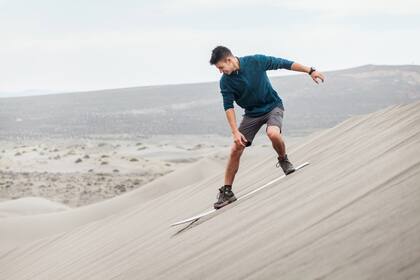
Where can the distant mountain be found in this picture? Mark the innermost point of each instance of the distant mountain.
(197, 108)
(29, 92)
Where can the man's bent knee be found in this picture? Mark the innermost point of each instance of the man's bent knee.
(236, 150)
(273, 132)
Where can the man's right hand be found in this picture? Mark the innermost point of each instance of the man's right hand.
(239, 138)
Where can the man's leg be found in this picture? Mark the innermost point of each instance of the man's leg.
(233, 163)
(226, 195)
(273, 132)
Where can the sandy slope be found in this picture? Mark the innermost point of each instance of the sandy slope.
(29, 206)
(19, 230)
(352, 214)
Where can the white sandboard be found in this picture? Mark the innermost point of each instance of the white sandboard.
(196, 217)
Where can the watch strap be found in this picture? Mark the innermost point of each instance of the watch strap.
(311, 71)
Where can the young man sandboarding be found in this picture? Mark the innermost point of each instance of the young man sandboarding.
(245, 81)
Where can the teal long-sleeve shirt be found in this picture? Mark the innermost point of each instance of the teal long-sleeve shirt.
(250, 87)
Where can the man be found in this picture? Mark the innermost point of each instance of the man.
(245, 81)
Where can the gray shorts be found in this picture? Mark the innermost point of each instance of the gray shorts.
(250, 126)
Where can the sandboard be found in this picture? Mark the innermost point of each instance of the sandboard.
(197, 217)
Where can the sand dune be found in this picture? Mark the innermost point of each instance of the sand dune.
(29, 206)
(19, 230)
(351, 214)
(16, 230)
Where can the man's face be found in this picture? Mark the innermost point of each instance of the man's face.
(226, 65)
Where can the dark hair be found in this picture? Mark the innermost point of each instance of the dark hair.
(219, 53)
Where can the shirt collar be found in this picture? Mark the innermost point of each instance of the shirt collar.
(239, 61)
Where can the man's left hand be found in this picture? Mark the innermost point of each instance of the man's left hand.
(317, 75)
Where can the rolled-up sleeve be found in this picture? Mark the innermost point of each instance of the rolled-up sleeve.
(273, 63)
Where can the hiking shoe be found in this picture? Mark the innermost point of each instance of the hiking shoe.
(224, 197)
(286, 165)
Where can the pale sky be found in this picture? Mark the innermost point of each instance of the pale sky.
(61, 46)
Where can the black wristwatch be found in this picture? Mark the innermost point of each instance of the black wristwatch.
(311, 71)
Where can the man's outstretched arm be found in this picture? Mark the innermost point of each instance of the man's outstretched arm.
(302, 68)
(274, 63)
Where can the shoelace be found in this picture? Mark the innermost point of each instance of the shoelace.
(278, 163)
(221, 193)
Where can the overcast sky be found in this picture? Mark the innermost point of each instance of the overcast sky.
(62, 46)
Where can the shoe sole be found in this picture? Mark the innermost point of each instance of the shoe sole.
(290, 172)
(224, 203)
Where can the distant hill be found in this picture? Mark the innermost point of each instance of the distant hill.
(197, 108)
